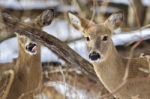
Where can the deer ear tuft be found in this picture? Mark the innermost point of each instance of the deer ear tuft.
(114, 21)
(75, 21)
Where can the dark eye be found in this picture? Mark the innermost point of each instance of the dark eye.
(105, 38)
(87, 38)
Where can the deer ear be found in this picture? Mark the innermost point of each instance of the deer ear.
(75, 21)
(114, 21)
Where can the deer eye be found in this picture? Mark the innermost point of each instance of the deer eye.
(105, 38)
(87, 38)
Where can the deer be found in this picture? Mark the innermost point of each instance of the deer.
(26, 76)
(28, 68)
(109, 65)
(28, 82)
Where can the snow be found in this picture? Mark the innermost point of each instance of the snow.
(146, 2)
(80, 47)
(120, 1)
(28, 4)
(39, 4)
(70, 91)
(104, 9)
(125, 38)
(127, 2)
(62, 30)
(8, 50)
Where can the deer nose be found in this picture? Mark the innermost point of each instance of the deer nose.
(94, 56)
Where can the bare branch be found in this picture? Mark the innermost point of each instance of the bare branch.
(57, 46)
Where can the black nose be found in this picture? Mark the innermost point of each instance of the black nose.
(30, 46)
(94, 56)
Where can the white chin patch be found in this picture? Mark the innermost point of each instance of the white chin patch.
(96, 61)
(31, 53)
(31, 48)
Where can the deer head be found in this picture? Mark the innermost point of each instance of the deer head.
(98, 36)
(27, 45)
(40, 21)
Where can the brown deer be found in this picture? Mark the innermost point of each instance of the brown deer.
(109, 66)
(28, 82)
(22, 79)
(28, 68)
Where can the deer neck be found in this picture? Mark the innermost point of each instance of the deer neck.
(28, 74)
(29, 60)
(111, 70)
(29, 64)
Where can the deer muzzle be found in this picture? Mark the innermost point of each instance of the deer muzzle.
(94, 56)
(31, 48)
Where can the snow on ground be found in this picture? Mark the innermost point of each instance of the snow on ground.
(61, 30)
(69, 91)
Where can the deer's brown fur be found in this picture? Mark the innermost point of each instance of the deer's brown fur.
(109, 66)
(28, 68)
(28, 71)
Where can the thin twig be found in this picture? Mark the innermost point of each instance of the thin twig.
(12, 75)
